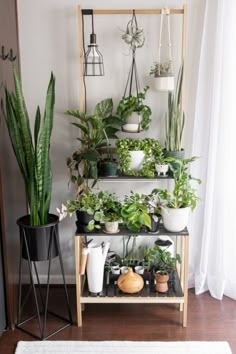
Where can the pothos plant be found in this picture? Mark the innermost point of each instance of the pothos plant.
(151, 148)
(134, 103)
(95, 132)
(135, 212)
(183, 194)
(161, 259)
(110, 207)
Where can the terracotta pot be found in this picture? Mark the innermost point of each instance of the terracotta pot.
(161, 282)
(130, 282)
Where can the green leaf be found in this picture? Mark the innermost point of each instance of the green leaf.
(104, 108)
(90, 155)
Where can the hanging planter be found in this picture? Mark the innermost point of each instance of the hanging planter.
(163, 71)
(131, 108)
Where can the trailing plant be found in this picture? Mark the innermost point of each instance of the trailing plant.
(161, 259)
(110, 206)
(134, 103)
(95, 132)
(32, 150)
(183, 194)
(162, 69)
(175, 117)
(152, 149)
(135, 212)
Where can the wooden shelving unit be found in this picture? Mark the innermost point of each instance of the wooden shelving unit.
(178, 293)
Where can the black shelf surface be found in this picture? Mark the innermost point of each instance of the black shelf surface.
(125, 232)
(110, 288)
(134, 178)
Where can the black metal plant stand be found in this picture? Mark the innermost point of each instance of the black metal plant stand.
(41, 314)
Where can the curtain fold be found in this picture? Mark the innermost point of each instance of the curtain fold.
(213, 224)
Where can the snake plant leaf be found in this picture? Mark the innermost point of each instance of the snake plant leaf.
(37, 125)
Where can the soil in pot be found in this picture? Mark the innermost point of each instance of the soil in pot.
(108, 168)
(38, 238)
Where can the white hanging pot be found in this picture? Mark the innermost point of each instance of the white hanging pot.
(137, 159)
(162, 169)
(133, 124)
(175, 220)
(111, 227)
(95, 266)
(164, 83)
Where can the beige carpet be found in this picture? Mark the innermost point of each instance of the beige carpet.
(76, 347)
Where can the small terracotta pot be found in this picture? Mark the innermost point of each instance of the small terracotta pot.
(130, 282)
(161, 282)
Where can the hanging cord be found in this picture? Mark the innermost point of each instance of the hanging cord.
(84, 82)
(165, 11)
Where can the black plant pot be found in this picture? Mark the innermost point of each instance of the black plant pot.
(83, 218)
(178, 155)
(108, 168)
(82, 228)
(37, 238)
(154, 223)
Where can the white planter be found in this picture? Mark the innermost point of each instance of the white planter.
(133, 123)
(164, 83)
(112, 226)
(161, 169)
(175, 220)
(137, 159)
(95, 266)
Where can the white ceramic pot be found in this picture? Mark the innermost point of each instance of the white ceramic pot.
(139, 269)
(175, 220)
(112, 226)
(124, 270)
(161, 169)
(95, 266)
(164, 83)
(137, 159)
(133, 123)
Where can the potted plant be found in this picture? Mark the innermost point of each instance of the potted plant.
(137, 156)
(32, 152)
(95, 129)
(162, 164)
(163, 74)
(88, 211)
(134, 113)
(174, 122)
(107, 166)
(111, 209)
(135, 212)
(176, 204)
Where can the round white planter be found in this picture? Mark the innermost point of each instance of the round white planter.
(161, 169)
(137, 159)
(175, 220)
(164, 83)
(133, 123)
(112, 226)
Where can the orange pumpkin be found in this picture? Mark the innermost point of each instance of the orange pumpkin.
(130, 282)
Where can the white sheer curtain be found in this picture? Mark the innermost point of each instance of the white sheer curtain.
(213, 224)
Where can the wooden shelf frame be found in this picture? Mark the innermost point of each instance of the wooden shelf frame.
(182, 241)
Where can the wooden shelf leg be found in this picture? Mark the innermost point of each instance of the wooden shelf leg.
(185, 288)
(78, 279)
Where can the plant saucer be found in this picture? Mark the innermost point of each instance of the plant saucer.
(110, 232)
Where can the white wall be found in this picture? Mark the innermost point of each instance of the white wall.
(48, 34)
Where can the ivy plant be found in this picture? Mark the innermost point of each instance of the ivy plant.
(152, 149)
(134, 103)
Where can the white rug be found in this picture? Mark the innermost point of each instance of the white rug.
(76, 347)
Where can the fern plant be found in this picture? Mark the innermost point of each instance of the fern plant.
(175, 117)
(32, 152)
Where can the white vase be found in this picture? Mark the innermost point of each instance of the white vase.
(164, 83)
(137, 159)
(112, 226)
(161, 169)
(175, 220)
(95, 266)
(133, 123)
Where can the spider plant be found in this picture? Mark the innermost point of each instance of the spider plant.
(32, 153)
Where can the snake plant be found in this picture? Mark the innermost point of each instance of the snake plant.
(175, 117)
(32, 152)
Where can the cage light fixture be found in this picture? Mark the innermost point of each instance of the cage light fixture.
(93, 59)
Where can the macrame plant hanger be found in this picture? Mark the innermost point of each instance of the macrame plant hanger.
(133, 79)
(165, 11)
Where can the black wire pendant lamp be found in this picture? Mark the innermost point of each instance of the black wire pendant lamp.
(93, 59)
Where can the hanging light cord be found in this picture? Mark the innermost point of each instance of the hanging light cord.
(84, 82)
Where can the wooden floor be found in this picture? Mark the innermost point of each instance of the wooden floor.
(208, 320)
